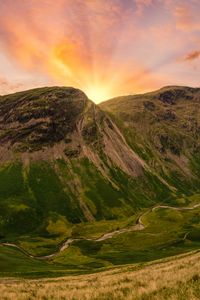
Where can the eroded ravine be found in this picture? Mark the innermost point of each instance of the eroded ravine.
(138, 226)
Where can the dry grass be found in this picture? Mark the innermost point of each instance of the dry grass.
(173, 279)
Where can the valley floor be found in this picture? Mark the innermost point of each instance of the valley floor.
(108, 235)
(174, 278)
(160, 232)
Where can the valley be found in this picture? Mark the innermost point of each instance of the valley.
(185, 239)
(138, 226)
(85, 188)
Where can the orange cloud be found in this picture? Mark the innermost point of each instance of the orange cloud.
(192, 56)
(78, 49)
(103, 47)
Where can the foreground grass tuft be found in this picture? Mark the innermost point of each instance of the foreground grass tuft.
(177, 279)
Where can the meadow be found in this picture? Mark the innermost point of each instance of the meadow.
(167, 232)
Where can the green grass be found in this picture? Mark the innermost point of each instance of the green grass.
(15, 263)
(96, 229)
(162, 237)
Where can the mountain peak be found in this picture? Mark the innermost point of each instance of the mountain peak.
(40, 116)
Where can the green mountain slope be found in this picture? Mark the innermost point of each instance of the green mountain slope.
(163, 128)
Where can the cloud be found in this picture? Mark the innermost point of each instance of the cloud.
(141, 5)
(187, 16)
(104, 44)
(192, 56)
(73, 42)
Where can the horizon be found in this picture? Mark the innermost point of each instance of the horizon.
(105, 49)
(99, 102)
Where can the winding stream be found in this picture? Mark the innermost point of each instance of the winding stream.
(136, 227)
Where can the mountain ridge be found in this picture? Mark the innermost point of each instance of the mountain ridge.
(167, 87)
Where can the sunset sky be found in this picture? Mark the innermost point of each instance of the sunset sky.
(104, 47)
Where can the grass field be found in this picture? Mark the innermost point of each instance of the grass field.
(177, 278)
(167, 232)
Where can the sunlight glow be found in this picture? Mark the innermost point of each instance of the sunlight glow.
(105, 48)
(98, 93)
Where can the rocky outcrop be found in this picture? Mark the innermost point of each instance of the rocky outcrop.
(171, 95)
(40, 117)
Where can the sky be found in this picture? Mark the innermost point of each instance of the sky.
(106, 48)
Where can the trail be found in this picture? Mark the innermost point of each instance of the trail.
(136, 227)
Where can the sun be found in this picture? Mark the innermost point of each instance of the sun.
(98, 93)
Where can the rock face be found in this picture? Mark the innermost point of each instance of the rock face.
(40, 117)
(173, 94)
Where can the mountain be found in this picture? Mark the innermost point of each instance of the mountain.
(163, 128)
(65, 160)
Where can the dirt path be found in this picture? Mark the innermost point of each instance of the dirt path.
(138, 226)
(176, 208)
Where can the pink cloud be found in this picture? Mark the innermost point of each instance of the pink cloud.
(187, 16)
(116, 44)
(141, 5)
(192, 56)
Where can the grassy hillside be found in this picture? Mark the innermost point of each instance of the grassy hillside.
(177, 278)
(163, 127)
(68, 171)
(59, 195)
